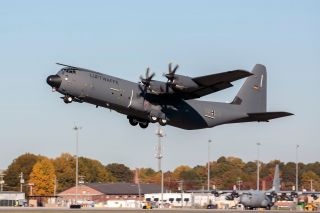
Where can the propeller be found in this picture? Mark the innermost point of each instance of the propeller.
(170, 75)
(147, 80)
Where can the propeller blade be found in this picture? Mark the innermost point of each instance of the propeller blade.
(175, 69)
(152, 75)
(147, 72)
(146, 81)
(170, 75)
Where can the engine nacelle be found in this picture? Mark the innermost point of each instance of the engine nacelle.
(183, 83)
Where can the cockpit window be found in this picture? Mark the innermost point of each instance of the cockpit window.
(68, 70)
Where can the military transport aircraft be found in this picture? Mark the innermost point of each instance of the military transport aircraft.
(169, 102)
(252, 199)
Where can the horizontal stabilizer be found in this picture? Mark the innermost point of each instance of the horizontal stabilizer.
(266, 116)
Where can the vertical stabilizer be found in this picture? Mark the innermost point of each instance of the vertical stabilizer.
(252, 97)
(276, 180)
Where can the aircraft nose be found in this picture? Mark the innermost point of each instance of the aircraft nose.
(54, 81)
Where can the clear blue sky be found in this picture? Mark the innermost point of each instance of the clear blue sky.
(122, 38)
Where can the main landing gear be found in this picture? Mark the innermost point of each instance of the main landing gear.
(135, 122)
(161, 121)
(145, 123)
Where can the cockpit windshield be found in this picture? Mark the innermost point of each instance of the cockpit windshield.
(68, 70)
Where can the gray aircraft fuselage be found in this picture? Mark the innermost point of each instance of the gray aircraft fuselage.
(256, 199)
(125, 97)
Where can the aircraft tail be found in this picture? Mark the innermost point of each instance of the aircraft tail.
(252, 96)
(276, 180)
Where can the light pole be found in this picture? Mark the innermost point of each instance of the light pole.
(297, 172)
(21, 181)
(159, 156)
(239, 182)
(1, 181)
(258, 165)
(76, 128)
(311, 185)
(208, 187)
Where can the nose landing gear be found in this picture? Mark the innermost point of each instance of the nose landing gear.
(67, 99)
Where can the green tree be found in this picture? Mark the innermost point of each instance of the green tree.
(288, 172)
(43, 177)
(191, 179)
(120, 172)
(24, 163)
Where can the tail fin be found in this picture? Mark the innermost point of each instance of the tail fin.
(253, 94)
(276, 180)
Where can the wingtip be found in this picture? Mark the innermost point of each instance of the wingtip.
(245, 73)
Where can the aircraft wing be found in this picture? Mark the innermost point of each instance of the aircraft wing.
(216, 82)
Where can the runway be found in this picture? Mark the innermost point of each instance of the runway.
(118, 210)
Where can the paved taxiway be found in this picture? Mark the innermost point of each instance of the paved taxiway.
(99, 210)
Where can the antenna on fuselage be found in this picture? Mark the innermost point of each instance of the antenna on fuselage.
(67, 65)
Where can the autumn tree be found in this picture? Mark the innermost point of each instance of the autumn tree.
(24, 163)
(309, 178)
(288, 176)
(93, 171)
(179, 170)
(65, 171)
(43, 177)
(147, 175)
(120, 172)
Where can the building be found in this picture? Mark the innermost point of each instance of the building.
(109, 194)
(187, 199)
(10, 198)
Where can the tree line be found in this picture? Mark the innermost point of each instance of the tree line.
(49, 176)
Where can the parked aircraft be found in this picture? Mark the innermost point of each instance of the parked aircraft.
(169, 102)
(251, 199)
